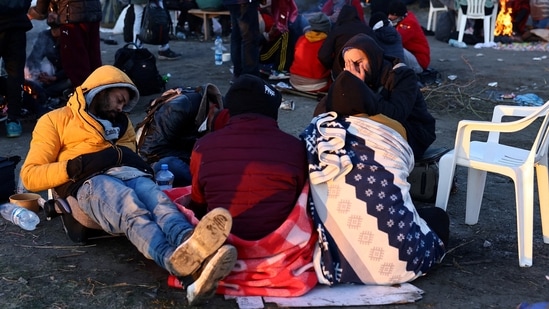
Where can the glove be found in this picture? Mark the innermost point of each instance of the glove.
(91, 163)
(131, 158)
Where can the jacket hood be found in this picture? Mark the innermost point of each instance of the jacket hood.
(108, 76)
(373, 52)
(347, 14)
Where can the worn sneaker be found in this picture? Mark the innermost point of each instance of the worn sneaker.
(168, 54)
(13, 128)
(215, 269)
(208, 235)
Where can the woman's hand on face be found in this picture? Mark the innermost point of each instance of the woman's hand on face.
(356, 68)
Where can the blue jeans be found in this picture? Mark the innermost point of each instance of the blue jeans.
(245, 38)
(138, 209)
(180, 169)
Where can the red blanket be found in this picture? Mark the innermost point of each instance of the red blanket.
(279, 264)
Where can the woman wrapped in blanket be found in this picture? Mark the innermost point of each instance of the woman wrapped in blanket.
(359, 160)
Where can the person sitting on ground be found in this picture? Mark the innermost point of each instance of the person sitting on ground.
(46, 47)
(386, 36)
(417, 54)
(176, 125)
(306, 72)
(359, 160)
(348, 25)
(393, 90)
(87, 150)
(257, 172)
(332, 8)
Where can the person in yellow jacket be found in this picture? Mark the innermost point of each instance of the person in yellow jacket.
(87, 149)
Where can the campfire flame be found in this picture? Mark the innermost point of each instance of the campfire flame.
(504, 22)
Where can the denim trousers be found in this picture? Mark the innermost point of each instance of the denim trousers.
(138, 209)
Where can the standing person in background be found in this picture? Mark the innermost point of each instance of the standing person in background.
(78, 23)
(14, 25)
(348, 25)
(245, 36)
(417, 54)
(539, 11)
(164, 51)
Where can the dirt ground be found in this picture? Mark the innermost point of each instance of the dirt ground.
(44, 269)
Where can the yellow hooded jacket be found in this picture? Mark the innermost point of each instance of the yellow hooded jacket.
(70, 131)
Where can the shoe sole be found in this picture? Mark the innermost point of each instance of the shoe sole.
(217, 268)
(208, 235)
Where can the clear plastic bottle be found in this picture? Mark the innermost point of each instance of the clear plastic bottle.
(26, 219)
(164, 178)
(218, 51)
(456, 43)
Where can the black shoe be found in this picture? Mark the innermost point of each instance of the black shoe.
(168, 55)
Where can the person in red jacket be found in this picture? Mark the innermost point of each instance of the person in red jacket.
(259, 173)
(417, 53)
(307, 73)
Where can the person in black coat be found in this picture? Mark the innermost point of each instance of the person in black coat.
(394, 91)
(348, 24)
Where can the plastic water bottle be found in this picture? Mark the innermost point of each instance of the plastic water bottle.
(26, 219)
(456, 43)
(164, 178)
(218, 51)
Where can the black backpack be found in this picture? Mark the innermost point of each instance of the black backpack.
(156, 25)
(140, 65)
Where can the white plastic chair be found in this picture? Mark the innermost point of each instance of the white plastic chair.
(433, 11)
(517, 163)
(475, 10)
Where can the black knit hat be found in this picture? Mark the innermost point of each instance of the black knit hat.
(250, 94)
(397, 8)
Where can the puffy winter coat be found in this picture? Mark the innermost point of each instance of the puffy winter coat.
(414, 40)
(253, 169)
(70, 131)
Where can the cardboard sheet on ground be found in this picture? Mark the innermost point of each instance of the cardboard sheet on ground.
(340, 295)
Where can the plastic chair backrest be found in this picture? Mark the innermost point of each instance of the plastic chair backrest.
(530, 114)
(475, 8)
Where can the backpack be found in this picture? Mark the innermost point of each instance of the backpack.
(156, 25)
(140, 66)
(446, 24)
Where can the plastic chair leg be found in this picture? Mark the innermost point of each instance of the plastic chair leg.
(476, 180)
(487, 24)
(445, 179)
(429, 20)
(524, 192)
(462, 22)
(542, 175)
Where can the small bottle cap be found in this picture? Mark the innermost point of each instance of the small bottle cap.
(164, 166)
